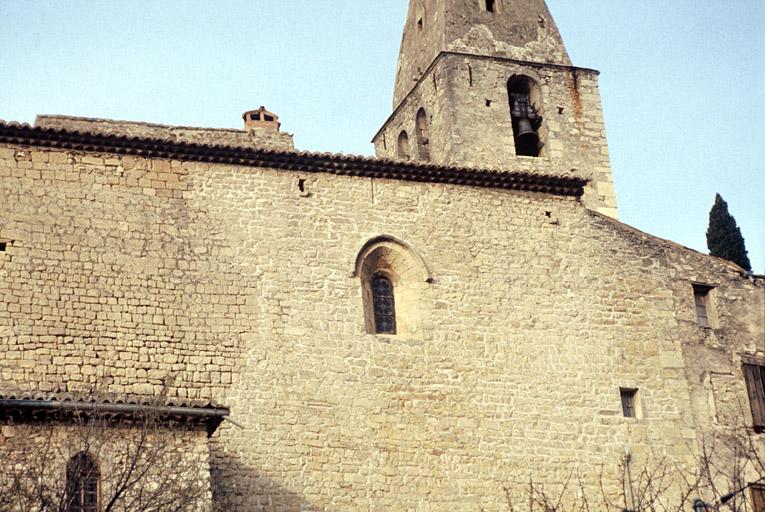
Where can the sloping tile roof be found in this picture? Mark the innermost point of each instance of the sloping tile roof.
(107, 398)
(35, 406)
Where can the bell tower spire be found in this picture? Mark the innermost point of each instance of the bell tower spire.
(489, 83)
(517, 29)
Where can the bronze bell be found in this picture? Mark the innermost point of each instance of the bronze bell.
(526, 135)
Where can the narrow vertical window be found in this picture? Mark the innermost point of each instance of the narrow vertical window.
(384, 306)
(82, 484)
(701, 300)
(491, 5)
(629, 402)
(758, 497)
(423, 138)
(403, 146)
(754, 375)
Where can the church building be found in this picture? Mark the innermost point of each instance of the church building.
(459, 323)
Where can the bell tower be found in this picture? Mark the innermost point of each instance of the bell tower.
(489, 84)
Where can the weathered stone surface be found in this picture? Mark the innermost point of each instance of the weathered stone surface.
(252, 137)
(461, 84)
(521, 315)
(517, 29)
(537, 312)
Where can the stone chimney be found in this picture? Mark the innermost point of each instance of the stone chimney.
(262, 119)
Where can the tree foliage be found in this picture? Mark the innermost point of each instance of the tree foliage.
(724, 238)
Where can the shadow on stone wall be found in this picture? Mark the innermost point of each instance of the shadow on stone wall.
(238, 486)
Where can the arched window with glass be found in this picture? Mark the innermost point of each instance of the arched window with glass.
(384, 304)
(82, 484)
(394, 280)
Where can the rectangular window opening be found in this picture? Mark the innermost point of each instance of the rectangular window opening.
(754, 376)
(268, 118)
(758, 497)
(3, 246)
(701, 301)
(490, 5)
(629, 402)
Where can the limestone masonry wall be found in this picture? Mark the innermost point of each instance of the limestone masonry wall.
(469, 113)
(525, 32)
(233, 284)
(258, 138)
(175, 462)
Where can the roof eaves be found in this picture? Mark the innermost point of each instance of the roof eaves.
(344, 165)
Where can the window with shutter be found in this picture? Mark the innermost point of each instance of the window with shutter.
(754, 375)
(701, 300)
(758, 497)
(629, 402)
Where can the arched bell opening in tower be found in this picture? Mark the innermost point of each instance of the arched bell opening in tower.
(423, 139)
(525, 103)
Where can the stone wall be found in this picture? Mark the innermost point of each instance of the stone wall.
(243, 288)
(524, 32)
(255, 138)
(470, 125)
(170, 466)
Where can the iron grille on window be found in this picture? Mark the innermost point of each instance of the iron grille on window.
(385, 310)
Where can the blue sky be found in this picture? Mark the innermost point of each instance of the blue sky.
(681, 81)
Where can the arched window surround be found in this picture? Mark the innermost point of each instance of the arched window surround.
(83, 484)
(422, 131)
(409, 276)
(491, 5)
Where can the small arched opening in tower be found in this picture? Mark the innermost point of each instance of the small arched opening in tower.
(423, 137)
(420, 16)
(403, 146)
(492, 5)
(526, 114)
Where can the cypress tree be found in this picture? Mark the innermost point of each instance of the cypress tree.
(724, 238)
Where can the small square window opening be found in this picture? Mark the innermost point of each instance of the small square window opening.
(629, 402)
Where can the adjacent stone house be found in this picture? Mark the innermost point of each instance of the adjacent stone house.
(429, 329)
